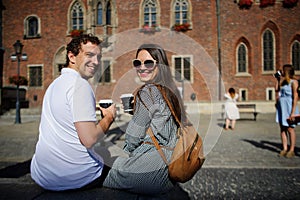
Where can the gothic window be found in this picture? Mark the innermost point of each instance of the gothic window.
(104, 13)
(181, 9)
(150, 12)
(32, 27)
(77, 17)
(242, 58)
(296, 55)
(99, 14)
(268, 51)
(108, 14)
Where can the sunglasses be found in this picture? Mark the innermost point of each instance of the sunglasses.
(149, 64)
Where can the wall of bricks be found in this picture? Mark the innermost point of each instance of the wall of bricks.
(236, 25)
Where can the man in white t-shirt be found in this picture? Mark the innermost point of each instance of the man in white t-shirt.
(64, 158)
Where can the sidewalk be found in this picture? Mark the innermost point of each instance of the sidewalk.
(240, 161)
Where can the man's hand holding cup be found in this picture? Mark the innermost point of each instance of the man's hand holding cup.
(107, 107)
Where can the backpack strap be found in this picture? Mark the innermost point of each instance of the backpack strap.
(157, 146)
(150, 131)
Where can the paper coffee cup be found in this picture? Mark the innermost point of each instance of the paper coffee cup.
(105, 103)
(127, 101)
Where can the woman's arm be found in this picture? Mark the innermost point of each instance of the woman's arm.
(140, 122)
(295, 96)
(236, 96)
(227, 96)
(277, 90)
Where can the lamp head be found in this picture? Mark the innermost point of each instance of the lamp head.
(18, 47)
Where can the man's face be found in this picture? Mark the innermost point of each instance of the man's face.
(87, 62)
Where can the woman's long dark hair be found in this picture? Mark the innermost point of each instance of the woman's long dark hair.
(164, 81)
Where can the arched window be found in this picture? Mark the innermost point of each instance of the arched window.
(242, 58)
(77, 17)
(150, 12)
(268, 51)
(296, 55)
(99, 14)
(181, 9)
(108, 14)
(32, 27)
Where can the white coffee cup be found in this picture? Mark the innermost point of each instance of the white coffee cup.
(105, 103)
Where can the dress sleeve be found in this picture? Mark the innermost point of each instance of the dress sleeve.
(146, 107)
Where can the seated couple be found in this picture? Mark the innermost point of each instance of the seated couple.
(64, 158)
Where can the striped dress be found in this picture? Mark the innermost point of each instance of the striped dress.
(144, 171)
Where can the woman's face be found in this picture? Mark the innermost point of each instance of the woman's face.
(146, 74)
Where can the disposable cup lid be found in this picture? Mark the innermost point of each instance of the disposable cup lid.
(126, 110)
(126, 95)
(105, 101)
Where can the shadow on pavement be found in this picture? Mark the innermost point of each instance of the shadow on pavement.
(271, 146)
(16, 171)
(118, 132)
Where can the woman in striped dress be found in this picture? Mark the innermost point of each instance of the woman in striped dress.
(144, 171)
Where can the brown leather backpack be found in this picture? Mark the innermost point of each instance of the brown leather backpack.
(187, 157)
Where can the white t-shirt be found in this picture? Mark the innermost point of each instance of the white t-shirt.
(60, 161)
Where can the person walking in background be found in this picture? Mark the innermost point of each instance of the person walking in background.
(231, 109)
(64, 158)
(286, 108)
(144, 171)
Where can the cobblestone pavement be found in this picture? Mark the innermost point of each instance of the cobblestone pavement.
(240, 163)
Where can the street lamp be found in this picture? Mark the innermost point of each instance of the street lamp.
(18, 56)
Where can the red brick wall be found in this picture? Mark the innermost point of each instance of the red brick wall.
(250, 24)
(235, 24)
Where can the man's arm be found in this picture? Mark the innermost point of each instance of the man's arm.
(89, 132)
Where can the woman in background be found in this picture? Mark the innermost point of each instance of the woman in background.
(231, 110)
(286, 108)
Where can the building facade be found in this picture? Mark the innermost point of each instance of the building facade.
(211, 44)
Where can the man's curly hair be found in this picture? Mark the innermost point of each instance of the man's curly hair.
(75, 45)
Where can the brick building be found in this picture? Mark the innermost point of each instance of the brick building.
(212, 44)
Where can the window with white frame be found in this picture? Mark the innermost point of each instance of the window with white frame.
(242, 58)
(181, 11)
(268, 45)
(150, 13)
(183, 68)
(35, 75)
(105, 71)
(243, 94)
(32, 27)
(77, 17)
(296, 54)
(270, 94)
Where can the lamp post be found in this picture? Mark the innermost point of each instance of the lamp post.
(18, 56)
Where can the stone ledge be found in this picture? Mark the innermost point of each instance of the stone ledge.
(25, 188)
